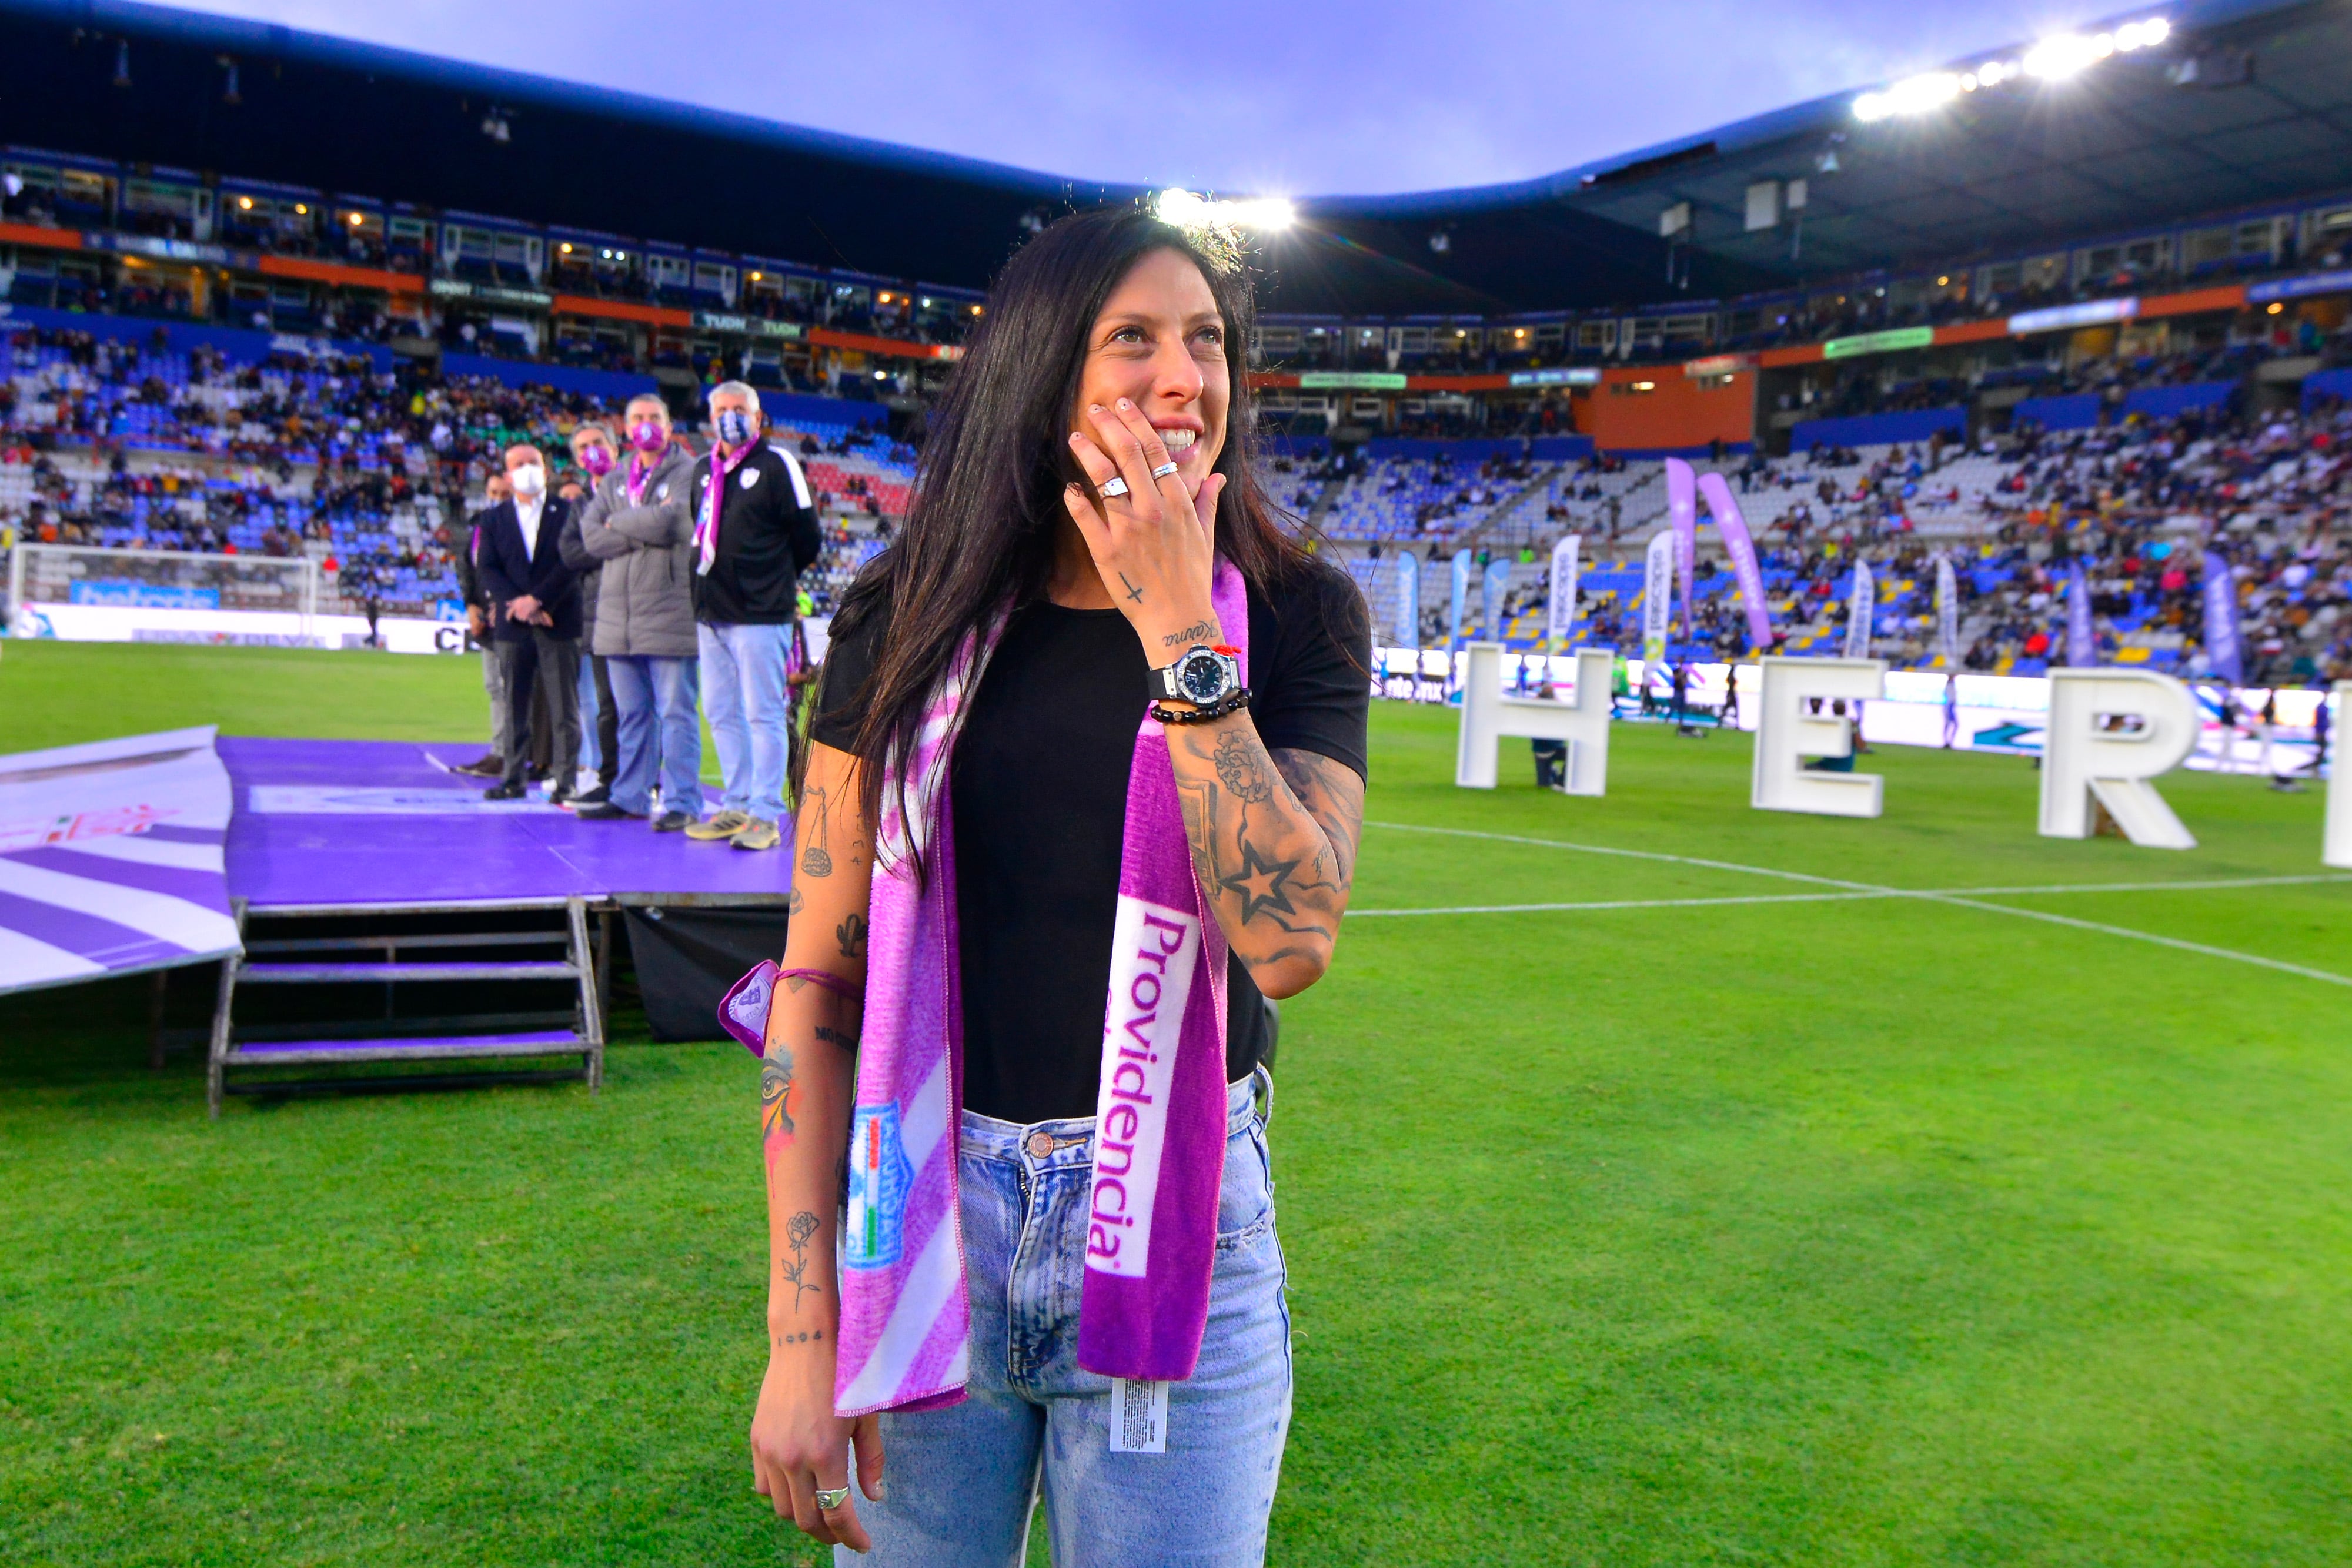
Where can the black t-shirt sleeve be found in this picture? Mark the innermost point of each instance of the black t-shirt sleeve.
(1310, 666)
(849, 666)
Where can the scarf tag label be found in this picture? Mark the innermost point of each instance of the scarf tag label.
(1139, 1417)
(1154, 952)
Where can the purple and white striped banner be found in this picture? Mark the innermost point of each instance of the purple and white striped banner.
(111, 859)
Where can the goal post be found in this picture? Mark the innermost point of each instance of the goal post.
(119, 593)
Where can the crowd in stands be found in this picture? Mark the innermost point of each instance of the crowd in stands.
(109, 443)
(113, 443)
(2136, 508)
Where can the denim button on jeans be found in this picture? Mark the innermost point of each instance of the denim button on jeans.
(961, 1480)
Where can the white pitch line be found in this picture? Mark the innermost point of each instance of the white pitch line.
(1926, 892)
(2174, 942)
(2187, 885)
(1627, 904)
(1630, 855)
(1962, 898)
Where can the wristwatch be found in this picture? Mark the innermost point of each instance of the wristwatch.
(1202, 676)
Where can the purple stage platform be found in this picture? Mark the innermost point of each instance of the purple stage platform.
(336, 823)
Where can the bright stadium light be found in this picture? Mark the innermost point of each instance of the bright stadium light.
(2052, 59)
(1912, 95)
(1186, 210)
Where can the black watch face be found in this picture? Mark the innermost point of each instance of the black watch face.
(1201, 677)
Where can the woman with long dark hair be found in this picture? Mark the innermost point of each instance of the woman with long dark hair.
(1086, 788)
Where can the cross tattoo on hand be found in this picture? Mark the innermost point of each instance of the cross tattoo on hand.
(1134, 593)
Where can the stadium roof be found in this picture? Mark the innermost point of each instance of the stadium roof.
(2116, 147)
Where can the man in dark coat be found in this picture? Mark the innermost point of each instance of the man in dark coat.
(537, 600)
(464, 550)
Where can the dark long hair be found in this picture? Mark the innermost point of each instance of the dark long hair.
(979, 534)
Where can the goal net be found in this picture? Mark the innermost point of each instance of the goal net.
(85, 576)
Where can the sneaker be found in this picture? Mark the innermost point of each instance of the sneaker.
(593, 797)
(756, 834)
(605, 811)
(725, 825)
(672, 822)
(503, 791)
(490, 765)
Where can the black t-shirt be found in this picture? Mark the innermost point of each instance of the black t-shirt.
(1040, 787)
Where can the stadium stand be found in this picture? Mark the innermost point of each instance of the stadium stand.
(2117, 381)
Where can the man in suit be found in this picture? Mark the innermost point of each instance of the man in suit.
(466, 549)
(536, 599)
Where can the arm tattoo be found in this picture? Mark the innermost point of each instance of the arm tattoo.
(794, 902)
(851, 934)
(1240, 768)
(837, 1037)
(1199, 632)
(1260, 883)
(1333, 793)
(816, 860)
(776, 1094)
(1273, 838)
(796, 1236)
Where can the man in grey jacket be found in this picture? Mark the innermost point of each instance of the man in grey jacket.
(640, 523)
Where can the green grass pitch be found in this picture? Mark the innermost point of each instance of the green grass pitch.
(1851, 1230)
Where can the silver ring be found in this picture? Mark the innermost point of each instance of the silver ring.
(1113, 489)
(1165, 469)
(826, 1501)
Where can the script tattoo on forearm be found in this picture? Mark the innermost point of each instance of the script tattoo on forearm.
(1273, 838)
(1199, 632)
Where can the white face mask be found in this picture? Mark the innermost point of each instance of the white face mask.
(531, 479)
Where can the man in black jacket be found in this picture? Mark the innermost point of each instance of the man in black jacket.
(464, 552)
(536, 598)
(755, 530)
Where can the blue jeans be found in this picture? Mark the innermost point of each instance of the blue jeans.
(655, 697)
(590, 757)
(961, 1480)
(750, 712)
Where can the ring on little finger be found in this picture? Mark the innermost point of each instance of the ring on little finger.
(1113, 489)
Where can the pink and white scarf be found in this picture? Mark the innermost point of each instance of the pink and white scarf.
(714, 503)
(1160, 1127)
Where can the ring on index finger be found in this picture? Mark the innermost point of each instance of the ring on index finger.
(1164, 470)
(829, 1499)
(1112, 488)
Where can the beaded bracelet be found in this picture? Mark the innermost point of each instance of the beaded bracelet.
(1232, 704)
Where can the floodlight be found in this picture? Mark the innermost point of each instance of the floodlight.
(2052, 59)
(1912, 95)
(1185, 210)
(2055, 59)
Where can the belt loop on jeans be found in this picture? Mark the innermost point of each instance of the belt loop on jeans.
(1261, 1090)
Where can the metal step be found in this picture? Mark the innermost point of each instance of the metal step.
(379, 973)
(462, 1040)
(392, 944)
(420, 1048)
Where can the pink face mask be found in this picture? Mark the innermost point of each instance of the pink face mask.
(597, 460)
(648, 438)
